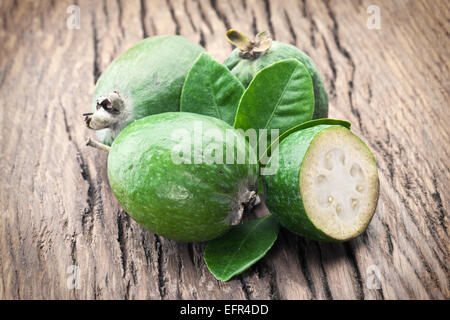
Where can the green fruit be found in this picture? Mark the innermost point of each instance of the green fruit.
(250, 57)
(145, 80)
(326, 186)
(186, 197)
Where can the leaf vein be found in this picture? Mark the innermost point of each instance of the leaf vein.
(242, 242)
(279, 99)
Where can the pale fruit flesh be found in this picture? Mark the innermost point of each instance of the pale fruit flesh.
(339, 183)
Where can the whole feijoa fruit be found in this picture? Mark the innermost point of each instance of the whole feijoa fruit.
(326, 186)
(251, 56)
(182, 175)
(145, 80)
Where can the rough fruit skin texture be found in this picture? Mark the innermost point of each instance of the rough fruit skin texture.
(149, 76)
(246, 69)
(186, 202)
(282, 189)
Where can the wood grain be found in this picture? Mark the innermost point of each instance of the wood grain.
(56, 207)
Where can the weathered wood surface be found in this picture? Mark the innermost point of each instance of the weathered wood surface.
(56, 207)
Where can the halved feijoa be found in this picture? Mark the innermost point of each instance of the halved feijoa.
(326, 186)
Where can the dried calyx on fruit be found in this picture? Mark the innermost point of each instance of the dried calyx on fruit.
(250, 49)
(110, 113)
(145, 80)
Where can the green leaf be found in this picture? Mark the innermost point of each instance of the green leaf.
(240, 248)
(210, 89)
(305, 125)
(280, 96)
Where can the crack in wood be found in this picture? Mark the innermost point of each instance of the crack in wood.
(122, 225)
(133, 272)
(302, 259)
(432, 228)
(161, 276)
(120, 17)
(269, 18)
(369, 98)
(332, 65)
(357, 274)
(146, 249)
(174, 17)
(245, 288)
(324, 278)
(202, 40)
(388, 238)
(190, 247)
(417, 250)
(304, 9)
(233, 10)
(94, 201)
(105, 12)
(219, 14)
(143, 16)
(66, 124)
(203, 16)
(95, 288)
(5, 21)
(389, 159)
(178, 293)
(270, 273)
(86, 218)
(313, 27)
(188, 14)
(290, 28)
(127, 290)
(95, 40)
(73, 249)
(348, 57)
(15, 5)
(440, 207)
(267, 274)
(13, 255)
(16, 273)
(254, 25)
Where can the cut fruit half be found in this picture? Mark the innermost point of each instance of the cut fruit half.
(326, 187)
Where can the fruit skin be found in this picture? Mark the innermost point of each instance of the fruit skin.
(246, 69)
(186, 202)
(306, 125)
(283, 196)
(282, 189)
(149, 77)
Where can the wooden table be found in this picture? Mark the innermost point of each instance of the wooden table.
(56, 207)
